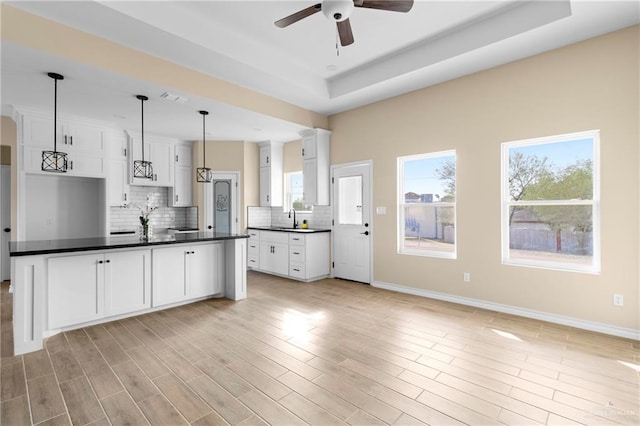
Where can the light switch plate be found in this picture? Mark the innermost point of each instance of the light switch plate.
(381, 210)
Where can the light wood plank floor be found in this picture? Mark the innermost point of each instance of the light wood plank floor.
(331, 352)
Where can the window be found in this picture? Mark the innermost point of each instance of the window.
(294, 192)
(427, 204)
(550, 202)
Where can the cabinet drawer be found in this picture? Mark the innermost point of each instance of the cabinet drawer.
(253, 247)
(297, 270)
(252, 261)
(296, 239)
(254, 236)
(296, 254)
(274, 237)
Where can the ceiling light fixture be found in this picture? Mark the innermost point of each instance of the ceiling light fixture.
(203, 174)
(141, 168)
(54, 161)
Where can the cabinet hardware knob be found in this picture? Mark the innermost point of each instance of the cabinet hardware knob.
(295, 252)
(107, 261)
(125, 196)
(193, 252)
(297, 270)
(100, 262)
(7, 229)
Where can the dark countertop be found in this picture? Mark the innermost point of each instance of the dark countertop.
(282, 229)
(31, 248)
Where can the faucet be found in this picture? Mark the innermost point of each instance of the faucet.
(295, 224)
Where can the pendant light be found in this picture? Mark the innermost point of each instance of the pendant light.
(54, 161)
(203, 174)
(141, 168)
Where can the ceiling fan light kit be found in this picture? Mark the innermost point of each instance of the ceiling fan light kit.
(339, 12)
(141, 168)
(54, 161)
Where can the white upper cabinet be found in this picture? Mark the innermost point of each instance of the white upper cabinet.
(180, 195)
(118, 179)
(83, 140)
(160, 151)
(316, 166)
(270, 174)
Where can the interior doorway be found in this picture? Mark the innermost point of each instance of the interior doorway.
(221, 201)
(352, 228)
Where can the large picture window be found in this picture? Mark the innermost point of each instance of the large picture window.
(550, 202)
(427, 204)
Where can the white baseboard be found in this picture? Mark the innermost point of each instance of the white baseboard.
(613, 330)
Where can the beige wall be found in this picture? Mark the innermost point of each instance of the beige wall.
(589, 85)
(41, 34)
(292, 157)
(8, 141)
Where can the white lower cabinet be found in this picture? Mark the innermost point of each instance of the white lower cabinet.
(127, 281)
(301, 256)
(274, 252)
(84, 288)
(185, 272)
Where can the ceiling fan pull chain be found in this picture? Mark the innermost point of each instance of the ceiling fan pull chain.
(337, 42)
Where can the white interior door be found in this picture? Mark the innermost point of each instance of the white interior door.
(5, 221)
(222, 199)
(351, 189)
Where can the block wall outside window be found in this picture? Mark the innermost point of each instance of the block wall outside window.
(427, 204)
(550, 202)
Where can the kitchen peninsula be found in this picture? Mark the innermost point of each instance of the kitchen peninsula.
(65, 284)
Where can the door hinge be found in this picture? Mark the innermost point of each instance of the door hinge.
(332, 222)
(177, 158)
(236, 184)
(332, 181)
(333, 264)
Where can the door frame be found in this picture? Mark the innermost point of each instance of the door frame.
(5, 182)
(235, 204)
(369, 164)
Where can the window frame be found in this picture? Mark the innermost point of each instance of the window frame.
(507, 203)
(402, 204)
(286, 203)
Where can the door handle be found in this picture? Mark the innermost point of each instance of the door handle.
(7, 229)
(209, 227)
(365, 233)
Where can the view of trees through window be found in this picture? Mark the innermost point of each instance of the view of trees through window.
(550, 202)
(427, 192)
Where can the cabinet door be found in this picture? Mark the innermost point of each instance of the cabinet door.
(136, 155)
(169, 275)
(265, 156)
(204, 269)
(180, 194)
(86, 164)
(310, 181)
(118, 186)
(162, 158)
(85, 137)
(127, 281)
(265, 186)
(38, 131)
(75, 289)
(183, 155)
(280, 256)
(309, 147)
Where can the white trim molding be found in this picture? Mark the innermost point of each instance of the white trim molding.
(613, 330)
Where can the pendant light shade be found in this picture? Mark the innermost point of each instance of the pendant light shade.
(54, 161)
(203, 174)
(141, 168)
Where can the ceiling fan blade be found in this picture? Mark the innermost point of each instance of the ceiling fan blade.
(390, 5)
(344, 30)
(285, 22)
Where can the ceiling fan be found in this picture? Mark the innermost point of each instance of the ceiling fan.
(340, 10)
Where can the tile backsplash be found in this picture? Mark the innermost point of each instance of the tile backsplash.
(319, 218)
(127, 218)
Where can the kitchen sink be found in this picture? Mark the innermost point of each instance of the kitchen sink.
(295, 229)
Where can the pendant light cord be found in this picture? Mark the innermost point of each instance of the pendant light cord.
(204, 155)
(55, 114)
(142, 114)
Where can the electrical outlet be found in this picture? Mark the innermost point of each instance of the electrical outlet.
(618, 300)
(466, 277)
